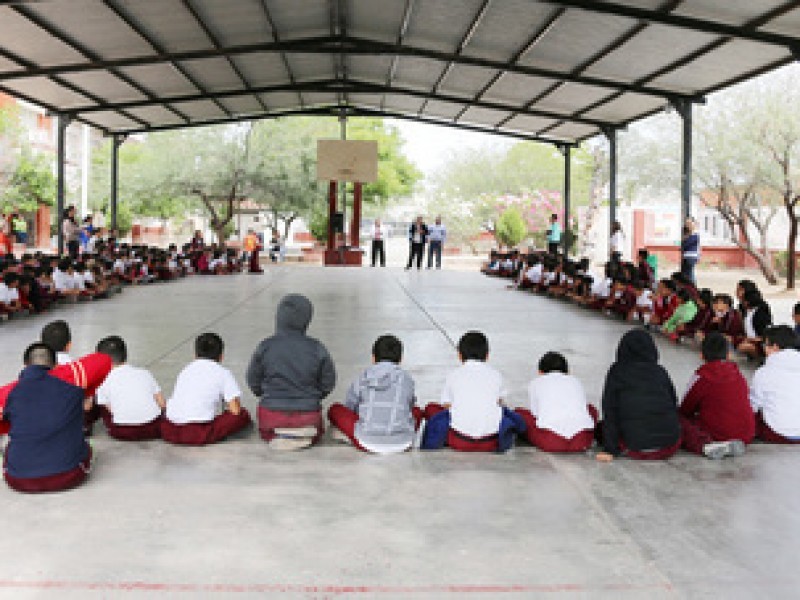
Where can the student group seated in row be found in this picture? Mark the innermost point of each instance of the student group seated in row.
(37, 282)
(672, 306)
(51, 410)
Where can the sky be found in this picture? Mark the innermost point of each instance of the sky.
(428, 146)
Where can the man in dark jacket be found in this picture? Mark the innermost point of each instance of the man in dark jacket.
(46, 451)
(417, 237)
(640, 416)
(291, 373)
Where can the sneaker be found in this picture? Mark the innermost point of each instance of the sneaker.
(338, 436)
(290, 438)
(719, 450)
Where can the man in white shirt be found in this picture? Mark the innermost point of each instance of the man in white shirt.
(205, 406)
(378, 242)
(130, 398)
(473, 396)
(773, 391)
(437, 234)
(559, 419)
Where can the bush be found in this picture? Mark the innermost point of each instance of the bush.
(511, 229)
(318, 225)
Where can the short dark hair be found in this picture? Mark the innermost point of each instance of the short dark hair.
(643, 253)
(723, 298)
(781, 336)
(387, 348)
(684, 294)
(473, 345)
(57, 335)
(714, 347)
(753, 298)
(40, 354)
(10, 277)
(209, 345)
(797, 308)
(553, 361)
(113, 346)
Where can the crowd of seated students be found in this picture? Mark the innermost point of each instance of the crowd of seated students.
(50, 410)
(672, 306)
(36, 281)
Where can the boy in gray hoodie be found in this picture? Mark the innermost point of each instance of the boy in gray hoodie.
(291, 373)
(378, 414)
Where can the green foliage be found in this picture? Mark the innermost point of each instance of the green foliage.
(318, 224)
(511, 228)
(30, 184)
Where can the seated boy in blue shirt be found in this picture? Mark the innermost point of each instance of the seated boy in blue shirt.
(47, 451)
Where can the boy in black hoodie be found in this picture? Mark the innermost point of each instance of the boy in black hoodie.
(291, 373)
(640, 416)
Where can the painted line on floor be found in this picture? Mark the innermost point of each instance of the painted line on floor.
(289, 588)
(419, 305)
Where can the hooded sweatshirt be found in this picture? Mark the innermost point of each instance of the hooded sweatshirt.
(639, 400)
(717, 399)
(291, 371)
(383, 396)
(773, 392)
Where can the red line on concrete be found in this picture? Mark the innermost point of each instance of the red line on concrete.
(289, 588)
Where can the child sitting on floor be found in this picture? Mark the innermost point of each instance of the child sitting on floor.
(684, 313)
(757, 318)
(774, 390)
(640, 416)
(716, 418)
(796, 318)
(205, 406)
(58, 336)
(291, 373)
(725, 319)
(130, 398)
(471, 417)
(378, 414)
(559, 419)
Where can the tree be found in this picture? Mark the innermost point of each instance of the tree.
(30, 184)
(511, 228)
(731, 173)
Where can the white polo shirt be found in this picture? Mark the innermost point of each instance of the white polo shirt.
(62, 358)
(558, 402)
(199, 392)
(63, 281)
(129, 393)
(473, 391)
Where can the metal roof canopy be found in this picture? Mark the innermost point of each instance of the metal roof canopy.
(557, 71)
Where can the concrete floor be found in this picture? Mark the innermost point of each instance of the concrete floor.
(239, 519)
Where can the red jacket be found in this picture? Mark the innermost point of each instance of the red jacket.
(718, 399)
(88, 373)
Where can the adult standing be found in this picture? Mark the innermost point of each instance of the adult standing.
(71, 232)
(690, 249)
(252, 245)
(437, 234)
(20, 227)
(197, 242)
(378, 248)
(617, 241)
(6, 243)
(553, 235)
(417, 237)
(86, 232)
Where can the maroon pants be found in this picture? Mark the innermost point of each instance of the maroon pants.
(345, 421)
(52, 483)
(765, 433)
(693, 436)
(458, 441)
(132, 433)
(200, 434)
(546, 440)
(269, 420)
(660, 454)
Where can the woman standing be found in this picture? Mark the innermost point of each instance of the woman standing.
(6, 243)
(617, 240)
(71, 232)
(690, 249)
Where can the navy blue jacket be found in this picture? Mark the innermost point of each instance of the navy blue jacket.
(46, 418)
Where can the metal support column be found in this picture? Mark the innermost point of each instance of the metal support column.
(62, 122)
(569, 236)
(611, 135)
(684, 109)
(343, 184)
(116, 141)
